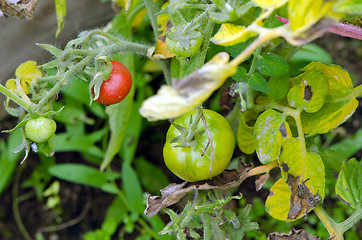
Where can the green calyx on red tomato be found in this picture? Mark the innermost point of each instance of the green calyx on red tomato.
(117, 86)
(40, 129)
(188, 159)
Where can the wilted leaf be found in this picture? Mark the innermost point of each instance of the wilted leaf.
(310, 93)
(268, 135)
(349, 183)
(161, 51)
(189, 92)
(174, 192)
(230, 34)
(259, 183)
(295, 161)
(300, 234)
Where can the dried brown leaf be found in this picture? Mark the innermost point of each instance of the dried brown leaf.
(300, 234)
(259, 183)
(174, 192)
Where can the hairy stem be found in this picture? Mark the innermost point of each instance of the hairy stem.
(15, 98)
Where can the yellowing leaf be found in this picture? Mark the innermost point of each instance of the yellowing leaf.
(339, 82)
(310, 93)
(304, 14)
(137, 20)
(270, 3)
(163, 19)
(160, 51)
(61, 11)
(189, 92)
(306, 165)
(245, 137)
(330, 116)
(230, 34)
(123, 3)
(278, 202)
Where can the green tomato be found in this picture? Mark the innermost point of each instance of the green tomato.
(176, 47)
(40, 129)
(188, 162)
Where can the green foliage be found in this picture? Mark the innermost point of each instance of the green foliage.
(281, 97)
(349, 182)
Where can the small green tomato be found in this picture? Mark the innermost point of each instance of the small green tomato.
(186, 51)
(40, 129)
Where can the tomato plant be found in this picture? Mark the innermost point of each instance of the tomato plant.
(190, 162)
(40, 129)
(117, 86)
(277, 91)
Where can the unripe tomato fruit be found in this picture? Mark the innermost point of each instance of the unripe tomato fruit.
(176, 47)
(40, 129)
(117, 86)
(187, 162)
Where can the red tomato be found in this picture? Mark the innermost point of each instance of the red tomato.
(117, 86)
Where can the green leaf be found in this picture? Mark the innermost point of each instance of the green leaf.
(61, 11)
(151, 176)
(81, 143)
(272, 65)
(278, 202)
(245, 137)
(50, 48)
(258, 83)
(349, 183)
(9, 159)
(278, 87)
(330, 116)
(299, 163)
(240, 74)
(310, 93)
(311, 52)
(132, 188)
(131, 137)
(348, 6)
(83, 174)
(116, 212)
(268, 135)
(347, 147)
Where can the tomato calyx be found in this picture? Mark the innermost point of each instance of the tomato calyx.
(189, 136)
